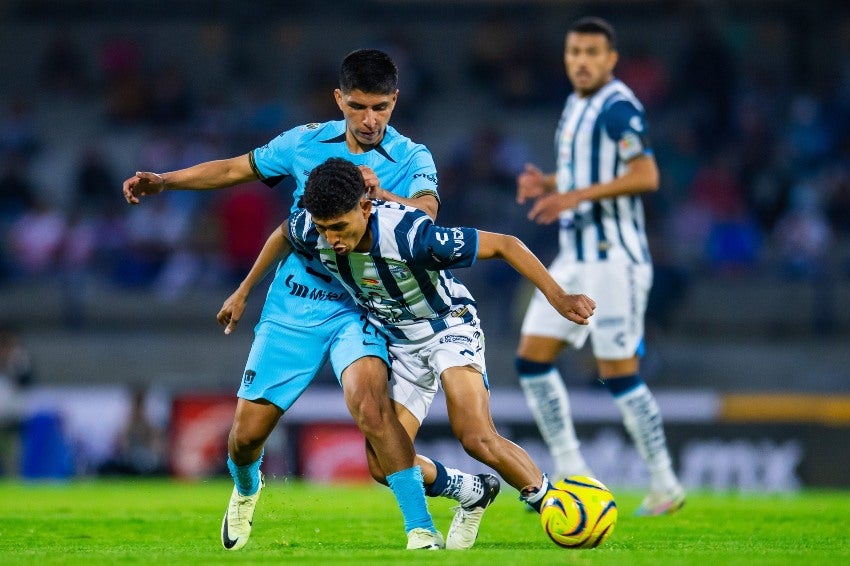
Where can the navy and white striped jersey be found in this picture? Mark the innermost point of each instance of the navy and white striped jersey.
(595, 139)
(403, 281)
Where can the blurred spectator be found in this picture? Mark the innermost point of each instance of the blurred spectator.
(15, 375)
(19, 137)
(76, 261)
(153, 233)
(172, 102)
(245, 216)
(706, 80)
(128, 99)
(803, 234)
(646, 74)
(140, 449)
(63, 66)
(36, 239)
(17, 193)
(94, 182)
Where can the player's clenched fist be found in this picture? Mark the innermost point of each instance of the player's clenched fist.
(577, 308)
(143, 183)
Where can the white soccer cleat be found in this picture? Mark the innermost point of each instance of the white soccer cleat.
(423, 539)
(661, 502)
(467, 520)
(239, 517)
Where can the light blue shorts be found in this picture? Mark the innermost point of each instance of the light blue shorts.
(285, 358)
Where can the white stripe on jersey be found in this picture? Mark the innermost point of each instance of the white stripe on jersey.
(610, 228)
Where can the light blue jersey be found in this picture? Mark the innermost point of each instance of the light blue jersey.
(309, 318)
(302, 292)
(596, 137)
(403, 281)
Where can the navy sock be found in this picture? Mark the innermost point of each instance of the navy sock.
(528, 368)
(621, 385)
(440, 484)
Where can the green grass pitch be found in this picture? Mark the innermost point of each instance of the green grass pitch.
(168, 522)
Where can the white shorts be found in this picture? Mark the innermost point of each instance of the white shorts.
(417, 366)
(620, 290)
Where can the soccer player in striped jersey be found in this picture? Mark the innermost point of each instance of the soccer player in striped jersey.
(395, 263)
(604, 163)
(308, 318)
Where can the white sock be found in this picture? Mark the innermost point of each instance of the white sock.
(549, 402)
(642, 420)
(464, 488)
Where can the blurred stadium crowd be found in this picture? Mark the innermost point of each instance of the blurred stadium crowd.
(748, 104)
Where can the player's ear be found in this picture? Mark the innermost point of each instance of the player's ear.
(338, 97)
(366, 207)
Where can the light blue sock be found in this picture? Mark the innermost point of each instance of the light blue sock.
(247, 477)
(410, 494)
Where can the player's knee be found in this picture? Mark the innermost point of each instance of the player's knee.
(369, 412)
(243, 443)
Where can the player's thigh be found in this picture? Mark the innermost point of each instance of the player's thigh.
(551, 331)
(621, 292)
(282, 362)
(467, 401)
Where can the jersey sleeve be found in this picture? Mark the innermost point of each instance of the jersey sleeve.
(438, 247)
(422, 174)
(274, 160)
(625, 123)
(302, 234)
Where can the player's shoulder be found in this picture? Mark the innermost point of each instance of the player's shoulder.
(616, 95)
(319, 131)
(398, 145)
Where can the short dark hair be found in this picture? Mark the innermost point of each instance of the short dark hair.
(593, 24)
(333, 188)
(368, 70)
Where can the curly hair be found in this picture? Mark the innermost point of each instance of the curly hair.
(368, 70)
(333, 188)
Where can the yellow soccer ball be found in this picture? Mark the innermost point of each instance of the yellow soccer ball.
(579, 513)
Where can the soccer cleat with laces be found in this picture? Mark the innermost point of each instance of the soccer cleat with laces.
(661, 502)
(423, 539)
(467, 520)
(239, 517)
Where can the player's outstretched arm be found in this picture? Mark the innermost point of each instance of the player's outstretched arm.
(203, 176)
(276, 248)
(533, 183)
(577, 308)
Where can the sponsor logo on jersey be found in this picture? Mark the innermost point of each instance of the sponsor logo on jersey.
(312, 126)
(429, 176)
(249, 376)
(455, 339)
(630, 145)
(311, 293)
(369, 282)
(460, 312)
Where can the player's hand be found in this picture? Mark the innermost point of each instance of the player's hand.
(373, 184)
(530, 184)
(548, 208)
(143, 183)
(231, 311)
(577, 308)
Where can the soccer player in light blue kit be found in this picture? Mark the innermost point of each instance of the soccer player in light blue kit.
(394, 261)
(604, 163)
(308, 318)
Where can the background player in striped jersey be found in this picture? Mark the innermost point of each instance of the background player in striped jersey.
(308, 318)
(394, 261)
(604, 163)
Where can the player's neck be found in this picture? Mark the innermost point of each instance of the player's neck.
(365, 243)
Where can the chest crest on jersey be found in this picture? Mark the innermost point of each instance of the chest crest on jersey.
(400, 272)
